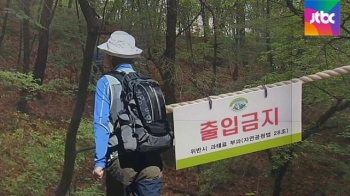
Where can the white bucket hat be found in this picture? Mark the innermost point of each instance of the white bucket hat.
(121, 44)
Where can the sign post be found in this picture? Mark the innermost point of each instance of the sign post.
(237, 125)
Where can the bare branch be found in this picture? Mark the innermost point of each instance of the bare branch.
(190, 24)
(339, 50)
(323, 90)
(329, 43)
(104, 15)
(205, 5)
(344, 28)
(290, 6)
(344, 21)
(53, 10)
(85, 149)
(339, 105)
(342, 25)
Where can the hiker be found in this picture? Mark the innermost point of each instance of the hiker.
(97, 65)
(140, 173)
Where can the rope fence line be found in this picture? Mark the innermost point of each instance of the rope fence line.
(304, 79)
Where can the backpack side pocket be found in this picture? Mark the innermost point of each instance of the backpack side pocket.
(158, 128)
(125, 132)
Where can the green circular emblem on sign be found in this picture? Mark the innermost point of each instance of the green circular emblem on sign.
(239, 104)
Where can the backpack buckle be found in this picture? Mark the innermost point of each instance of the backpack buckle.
(128, 97)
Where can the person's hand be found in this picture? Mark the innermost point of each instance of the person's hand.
(98, 173)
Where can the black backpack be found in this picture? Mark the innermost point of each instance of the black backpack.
(142, 124)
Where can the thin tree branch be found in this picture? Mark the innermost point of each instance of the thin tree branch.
(102, 23)
(205, 5)
(339, 105)
(53, 10)
(345, 29)
(200, 90)
(341, 51)
(85, 149)
(103, 16)
(344, 21)
(290, 6)
(190, 24)
(326, 44)
(328, 93)
(79, 23)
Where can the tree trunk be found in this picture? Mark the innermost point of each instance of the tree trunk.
(4, 24)
(279, 172)
(70, 3)
(186, 24)
(190, 45)
(268, 39)
(70, 144)
(215, 44)
(168, 60)
(20, 47)
(43, 48)
(205, 23)
(26, 37)
(22, 103)
(167, 68)
(215, 48)
(240, 38)
(279, 175)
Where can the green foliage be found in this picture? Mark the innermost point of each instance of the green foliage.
(85, 138)
(227, 4)
(324, 149)
(334, 157)
(89, 190)
(25, 81)
(281, 155)
(345, 134)
(214, 175)
(86, 135)
(32, 159)
(21, 15)
(19, 81)
(251, 193)
(69, 50)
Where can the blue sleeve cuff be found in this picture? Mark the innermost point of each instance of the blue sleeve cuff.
(99, 164)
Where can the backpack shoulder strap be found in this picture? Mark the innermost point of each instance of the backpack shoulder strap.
(117, 74)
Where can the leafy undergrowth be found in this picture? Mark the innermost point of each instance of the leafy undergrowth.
(33, 145)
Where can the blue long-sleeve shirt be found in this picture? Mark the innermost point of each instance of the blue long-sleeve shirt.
(101, 118)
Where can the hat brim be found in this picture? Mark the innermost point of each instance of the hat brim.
(137, 53)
